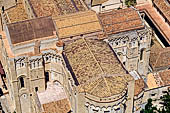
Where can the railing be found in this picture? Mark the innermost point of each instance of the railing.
(6, 17)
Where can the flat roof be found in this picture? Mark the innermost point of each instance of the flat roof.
(115, 21)
(77, 24)
(31, 29)
(56, 7)
(96, 67)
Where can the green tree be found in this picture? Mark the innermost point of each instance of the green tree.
(149, 108)
(130, 2)
(165, 103)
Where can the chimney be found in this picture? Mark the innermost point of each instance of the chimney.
(37, 47)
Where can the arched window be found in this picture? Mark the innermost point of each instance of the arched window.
(21, 80)
(141, 54)
(46, 78)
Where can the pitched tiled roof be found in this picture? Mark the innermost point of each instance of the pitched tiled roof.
(60, 106)
(165, 77)
(116, 21)
(160, 57)
(164, 6)
(56, 7)
(96, 67)
(106, 86)
(139, 86)
(77, 24)
(17, 13)
(31, 29)
(162, 78)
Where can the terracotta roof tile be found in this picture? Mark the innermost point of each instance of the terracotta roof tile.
(165, 77)
(17, 13)
(56, 7)
(98, 2)
(120, 20)
(164, 6)
(105, 76)
(139, 86)
(162, 78)
(31, 29)
(61, 106)
(77, 24)
(160, 57)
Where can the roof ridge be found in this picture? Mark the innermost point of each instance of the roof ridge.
(77, 14)
(96, 85)
(99, 66)
(93, 55)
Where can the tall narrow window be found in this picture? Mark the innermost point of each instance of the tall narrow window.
(141, 54)
(46, 77)
(21, 81)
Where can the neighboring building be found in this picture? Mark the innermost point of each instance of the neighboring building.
(127, 34)
(54, 8)
(102, 5)
(157, 81)
(158, 85)
(163, 7)
(13, 14)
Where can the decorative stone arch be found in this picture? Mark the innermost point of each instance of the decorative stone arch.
(20, 62)
(57, 82)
